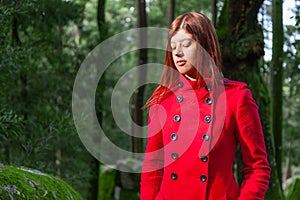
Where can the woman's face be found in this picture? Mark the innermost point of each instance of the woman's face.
(184, 53)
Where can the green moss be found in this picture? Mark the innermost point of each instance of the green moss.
(23, 183)
(107, 179)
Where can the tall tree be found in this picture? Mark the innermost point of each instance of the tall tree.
(241, 40)
(214, 11)
(95, 183)
(277, 82)
(137, 142)
(101, 21)
(171, 11)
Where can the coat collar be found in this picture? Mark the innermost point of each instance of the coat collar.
(203, 88)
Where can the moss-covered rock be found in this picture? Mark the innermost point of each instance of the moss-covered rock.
(24, 183)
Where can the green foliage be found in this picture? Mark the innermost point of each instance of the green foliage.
(40, 52)
(119, 185)
(25, 183)
(293, 189)
(128, 194)
(223, 23)
(10, 124)
(291, 94)
(107, 183)
(193, 5)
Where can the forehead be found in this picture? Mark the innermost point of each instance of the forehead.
(180, 36)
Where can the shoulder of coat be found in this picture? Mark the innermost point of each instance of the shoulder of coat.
(234, 84)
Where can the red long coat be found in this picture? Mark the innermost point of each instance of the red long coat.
(192, 140)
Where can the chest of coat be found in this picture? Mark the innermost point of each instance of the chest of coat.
(197, 121)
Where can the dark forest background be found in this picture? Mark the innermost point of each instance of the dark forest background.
(44, 42)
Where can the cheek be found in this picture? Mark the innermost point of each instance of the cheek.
(193, 56)
(190, 56)
(173, 57)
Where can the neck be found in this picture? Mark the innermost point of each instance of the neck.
(190, 78)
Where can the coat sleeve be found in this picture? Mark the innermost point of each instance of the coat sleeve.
(256, 167)
(152, 169)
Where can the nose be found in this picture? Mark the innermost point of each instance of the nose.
(178, 51)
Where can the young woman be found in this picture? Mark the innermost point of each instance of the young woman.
(196, 120)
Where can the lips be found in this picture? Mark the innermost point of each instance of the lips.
(181, 62)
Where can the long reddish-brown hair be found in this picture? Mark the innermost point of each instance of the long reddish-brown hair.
(203, 32)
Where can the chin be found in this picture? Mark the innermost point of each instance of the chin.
(182, 73)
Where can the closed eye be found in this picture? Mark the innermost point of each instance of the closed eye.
(186, 43)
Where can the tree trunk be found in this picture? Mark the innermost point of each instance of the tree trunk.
(137, 142)
(16, 42)
(241, 40)
(288, 169)
(14, 34)
(171, 11)
(95, 183)
(214, 12)
(277, 81)
(102, 26)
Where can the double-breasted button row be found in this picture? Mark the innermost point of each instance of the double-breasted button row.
(174, 176)
(174, 136)
(207, 86)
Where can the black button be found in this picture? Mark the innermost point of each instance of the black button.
(174, 176)
(205, 137)
(204, 158)
(208, 101)
(174, 136)
(177, 118)
(180, 84)
(207, 119)
(226, 80)
(179, 99)
(174, 156)
(203, 178)
(208, 87)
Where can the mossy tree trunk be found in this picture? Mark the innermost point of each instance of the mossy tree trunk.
(241, 40)
(277, 81)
